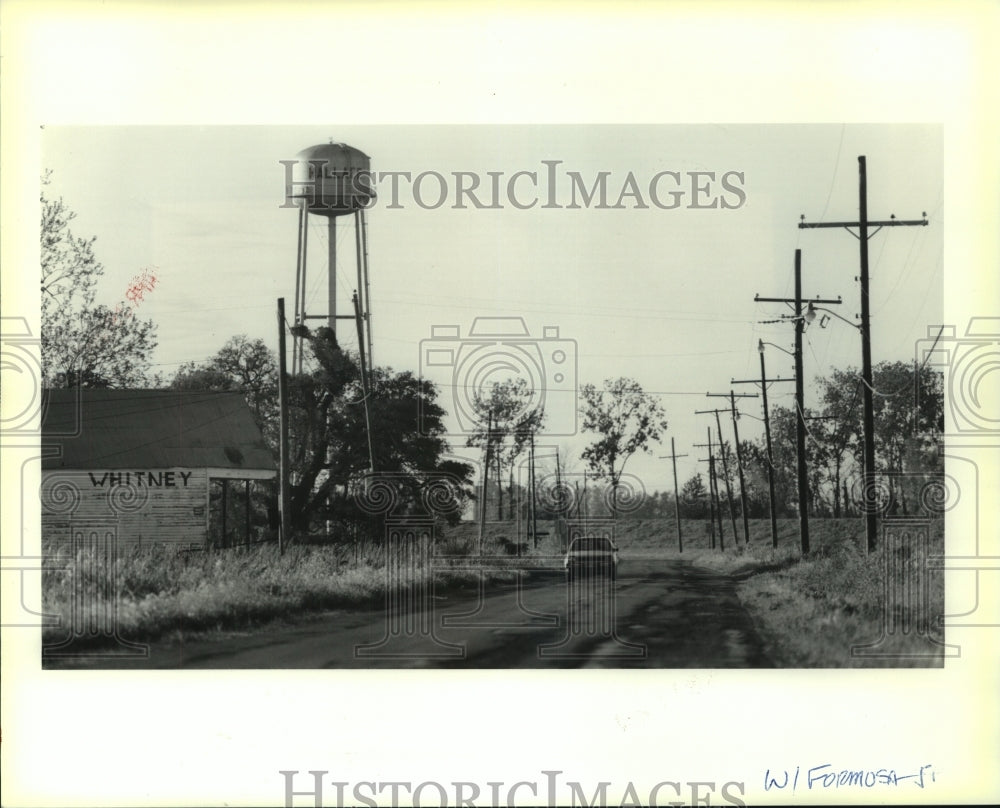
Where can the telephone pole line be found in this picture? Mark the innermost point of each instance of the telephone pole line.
(800, 317)
(283, 498)
(366, 379)
(677, 499)
(863, 223)
(486, 477)
(531, 477)
(739, 454)
(764, 381)
(725, 469)
(714, 506)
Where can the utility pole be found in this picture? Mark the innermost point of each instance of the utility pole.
(486, 477)
(800, 432)
(715, 497)
(282, 432)
(559, 514)
(714, 505)
(531, 476)
(677, 499)
(511, 504)
(863, 223)
(799, 318)
(739, 455)
(365, 379)
(499, 463)
(764, 381)
(725, 469)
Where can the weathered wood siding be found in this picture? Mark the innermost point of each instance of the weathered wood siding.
(144, 505)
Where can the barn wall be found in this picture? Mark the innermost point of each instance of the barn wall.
(146, 505)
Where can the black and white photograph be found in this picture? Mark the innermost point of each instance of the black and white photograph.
(479, 424)
(461, 411)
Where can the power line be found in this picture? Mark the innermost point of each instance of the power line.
(863, 235)
(836, 167)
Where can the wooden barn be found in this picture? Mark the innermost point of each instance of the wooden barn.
(188, 469)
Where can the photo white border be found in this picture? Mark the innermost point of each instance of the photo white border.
(159, 738)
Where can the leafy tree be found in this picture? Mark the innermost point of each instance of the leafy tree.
(841, 432)
(84, 344)
(694, 498)
(331, 448)
(906, 435)
(329, 453)
(783, 443)
(905, 432)
(627, 420)
(654, 505)
(755, 477)
(507, 420)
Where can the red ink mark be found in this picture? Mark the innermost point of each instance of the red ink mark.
(146, 282)
(138, 286)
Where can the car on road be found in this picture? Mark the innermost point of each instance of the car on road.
(591, 555)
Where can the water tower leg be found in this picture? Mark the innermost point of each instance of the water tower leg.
(300, 304)
(368, 294)
(332, 264)
(361, 261)
(358, 262)
(298, 284)
(332, 320)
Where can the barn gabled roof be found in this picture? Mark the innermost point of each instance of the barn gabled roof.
(137, 429)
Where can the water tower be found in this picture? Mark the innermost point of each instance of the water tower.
(331, 180)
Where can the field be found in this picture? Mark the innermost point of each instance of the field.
(810, 611)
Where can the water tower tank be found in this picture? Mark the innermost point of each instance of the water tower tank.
(333, 179)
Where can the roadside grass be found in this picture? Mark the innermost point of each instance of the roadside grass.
(151, 592)
(839, 606)
(810, 612)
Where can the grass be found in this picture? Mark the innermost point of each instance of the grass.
(153, 591)
(819, 610)
(810, 611)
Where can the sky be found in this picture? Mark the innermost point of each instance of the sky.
(660, 289)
